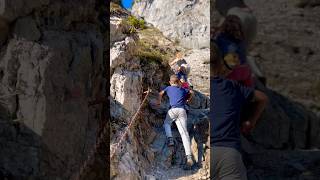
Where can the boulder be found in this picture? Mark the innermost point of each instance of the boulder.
(26, 28)
(126, 88)
(199, 101)
(117, 30)
(122, 52)
(286, 124)
(47, 86)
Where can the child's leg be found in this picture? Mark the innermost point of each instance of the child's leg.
(167, 123)
(181, 123)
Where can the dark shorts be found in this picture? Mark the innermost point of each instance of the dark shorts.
(226, 164)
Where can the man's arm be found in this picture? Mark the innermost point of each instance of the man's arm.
(174, 61)
(190, 95)
(260, 100)
(161, 93)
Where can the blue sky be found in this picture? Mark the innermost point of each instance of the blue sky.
(127, 3)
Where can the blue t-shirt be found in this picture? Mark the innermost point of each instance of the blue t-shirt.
(227, 99)
(177, 96)
(228, 44)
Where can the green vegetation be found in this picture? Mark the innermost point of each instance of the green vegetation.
(130, 29)
(137, 23)
(154, 62)
(134, 24)
(153, 38)
(149, 54)
(176, 41)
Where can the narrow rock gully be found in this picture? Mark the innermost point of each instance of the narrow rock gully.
(147, 155)
(169, 161)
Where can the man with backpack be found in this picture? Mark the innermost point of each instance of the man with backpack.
(178, 97)
(227, 99)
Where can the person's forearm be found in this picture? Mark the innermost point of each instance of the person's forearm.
(159, 98)
(260, 106)
(189, 99)
(174, 61)
(190, 96)
(255, 117)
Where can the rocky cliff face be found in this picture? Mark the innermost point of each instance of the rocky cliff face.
(184, 21)
(51, 66)
(140, 60)
(287, 50)
(284, 144)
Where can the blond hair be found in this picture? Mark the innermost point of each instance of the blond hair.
(179, 55)
(174, 79)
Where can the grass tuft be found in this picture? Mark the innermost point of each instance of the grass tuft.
(134, 24)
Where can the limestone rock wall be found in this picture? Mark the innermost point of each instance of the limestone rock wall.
(286, 125)
(126, 88)
(183, 21)
(286, 49)
(51, 66)
(199, 61)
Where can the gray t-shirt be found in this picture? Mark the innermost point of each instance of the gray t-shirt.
(181, 61)
(178, 64)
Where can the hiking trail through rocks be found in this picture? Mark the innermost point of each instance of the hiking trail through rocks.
(137, 61)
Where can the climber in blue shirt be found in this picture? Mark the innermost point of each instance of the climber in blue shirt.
(227, 99)
(178, 98)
